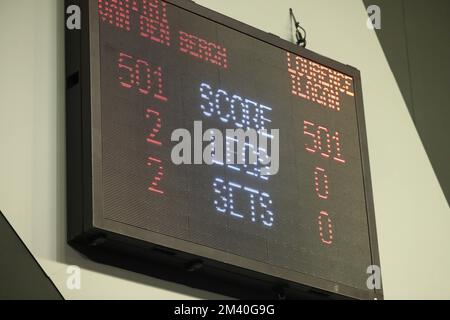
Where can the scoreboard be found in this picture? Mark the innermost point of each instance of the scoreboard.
(139, 70)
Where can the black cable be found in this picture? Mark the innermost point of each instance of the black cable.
(300, 32)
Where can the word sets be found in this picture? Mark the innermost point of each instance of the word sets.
(327, 145)
(259, 203)
(144, 78)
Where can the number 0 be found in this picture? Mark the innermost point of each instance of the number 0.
(325, 228)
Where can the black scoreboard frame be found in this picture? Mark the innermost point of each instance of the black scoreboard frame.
(174, 259)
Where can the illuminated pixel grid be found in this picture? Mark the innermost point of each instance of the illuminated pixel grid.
(162, 68)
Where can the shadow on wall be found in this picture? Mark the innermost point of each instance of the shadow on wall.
(21, 276)
(415, 38)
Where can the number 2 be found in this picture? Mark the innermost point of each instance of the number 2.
(156, 163)
(150, 114)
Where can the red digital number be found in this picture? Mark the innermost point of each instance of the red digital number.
(126, 82)
(325, 228)
(153, 115)
(310, 148)
(329, 146)
(159, 168)
(141, 75)
(321, 183)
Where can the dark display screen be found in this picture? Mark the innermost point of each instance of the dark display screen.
(161, 69)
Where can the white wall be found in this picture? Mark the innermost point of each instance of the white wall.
(412, 214)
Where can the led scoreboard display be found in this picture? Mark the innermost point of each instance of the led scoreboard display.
(139, 71)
